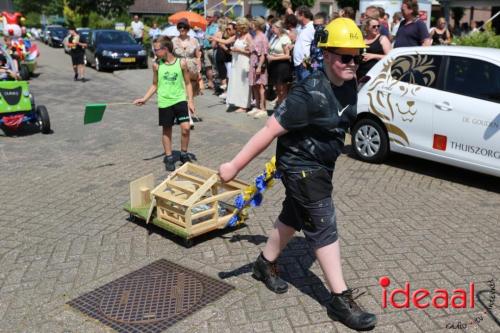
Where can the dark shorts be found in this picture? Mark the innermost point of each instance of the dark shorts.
(77, 58)
(174, 114)
(308, 206)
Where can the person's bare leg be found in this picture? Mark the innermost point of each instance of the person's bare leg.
(255, 95)
(262, 97)
(185, 130)
(278, 238)
(330, 262)
(166, 140)
(81, 71)
(210, 77)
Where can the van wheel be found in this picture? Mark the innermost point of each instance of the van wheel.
(370, 141)
(43, 119)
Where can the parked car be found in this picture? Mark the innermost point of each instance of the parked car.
(113, 49)
(440, 103)
(44, 36)
(56, 36)
(84, 34)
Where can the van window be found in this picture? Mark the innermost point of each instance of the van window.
(473, 78)
(420, 69)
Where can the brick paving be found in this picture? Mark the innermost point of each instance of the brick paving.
(63, 231)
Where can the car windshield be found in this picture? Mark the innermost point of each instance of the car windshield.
(114, 37)
(59, 32)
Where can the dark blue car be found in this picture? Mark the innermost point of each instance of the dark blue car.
(113, 49)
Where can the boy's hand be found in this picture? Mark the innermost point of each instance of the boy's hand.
(227, 172)
(140, 101)
(191, 107)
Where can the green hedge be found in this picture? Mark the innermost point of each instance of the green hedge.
(481, 39)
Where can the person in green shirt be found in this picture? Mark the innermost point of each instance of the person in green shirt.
(171, 82)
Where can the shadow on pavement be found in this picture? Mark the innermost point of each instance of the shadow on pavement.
(439, 170)
(294, 262)
(23, 130)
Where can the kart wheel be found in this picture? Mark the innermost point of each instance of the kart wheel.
(97, 65)
(43, 119)
(24, 72)
(369, 140)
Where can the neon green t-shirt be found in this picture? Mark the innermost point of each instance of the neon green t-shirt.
(171, 88)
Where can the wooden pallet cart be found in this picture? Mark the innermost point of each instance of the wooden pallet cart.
(192, 201)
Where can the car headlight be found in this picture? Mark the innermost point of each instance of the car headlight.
(142, 53)
(111, 54)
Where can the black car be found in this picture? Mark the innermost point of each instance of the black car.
(55, 36)
(113, 49)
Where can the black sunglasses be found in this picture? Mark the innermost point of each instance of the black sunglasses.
(347, 58)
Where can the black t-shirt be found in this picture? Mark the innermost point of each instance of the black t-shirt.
(77, 49)
(412, 34)
(316, 115)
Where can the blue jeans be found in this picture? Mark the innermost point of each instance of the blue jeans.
(301, 73)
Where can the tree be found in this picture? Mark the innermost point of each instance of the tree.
(106, 8)
(458, 13)
(277, 6)
(348, 3)
(50, 7)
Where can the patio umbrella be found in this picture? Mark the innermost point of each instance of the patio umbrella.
(195, 20)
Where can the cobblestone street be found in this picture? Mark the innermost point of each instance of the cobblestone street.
(63, 230)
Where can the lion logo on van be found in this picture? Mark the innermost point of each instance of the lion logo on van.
(406, 74)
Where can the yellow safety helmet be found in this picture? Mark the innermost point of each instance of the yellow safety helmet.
(342, 32)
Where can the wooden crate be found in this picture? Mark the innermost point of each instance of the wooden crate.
(190, 202)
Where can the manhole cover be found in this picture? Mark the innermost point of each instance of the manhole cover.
(152, 298)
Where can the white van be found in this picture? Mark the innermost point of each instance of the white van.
(441, 103)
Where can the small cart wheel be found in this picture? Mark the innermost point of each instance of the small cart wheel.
(131, 217)
(188, 243)
(24, 72)
(43, 119)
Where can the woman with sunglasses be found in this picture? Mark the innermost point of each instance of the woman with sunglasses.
(188, 48)
(378, 46)
(311, 125)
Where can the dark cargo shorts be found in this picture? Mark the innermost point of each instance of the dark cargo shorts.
(308, 206)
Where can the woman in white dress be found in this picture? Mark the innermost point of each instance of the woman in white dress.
(238, 91)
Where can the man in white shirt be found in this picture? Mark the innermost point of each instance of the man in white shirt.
(137, 29)
(302, 48)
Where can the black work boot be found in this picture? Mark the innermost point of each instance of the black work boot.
(267, 272)
(169, 163)
(343, 308)
(185, 157)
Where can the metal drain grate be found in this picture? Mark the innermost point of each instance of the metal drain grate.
(152, 298)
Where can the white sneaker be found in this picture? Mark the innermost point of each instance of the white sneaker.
(260, 114)
(223, 96)
(253, 112)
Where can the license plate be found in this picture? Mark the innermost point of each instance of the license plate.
(127, 59)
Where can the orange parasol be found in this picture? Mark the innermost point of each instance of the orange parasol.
(194, 19)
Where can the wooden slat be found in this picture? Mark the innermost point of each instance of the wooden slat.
(218, 197)
(166, 196)
(139, 191)
(172, 220)
(201, 191)
(202, 214)
(170, 183)
(190, 177)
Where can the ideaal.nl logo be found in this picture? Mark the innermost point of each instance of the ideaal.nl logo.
(440, 298)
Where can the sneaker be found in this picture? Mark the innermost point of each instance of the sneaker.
(223, 95)
(185, 157)
(267, 272)
(83, 79)
(342, 307)
(169, 163)
(253, 112)
(260, 114)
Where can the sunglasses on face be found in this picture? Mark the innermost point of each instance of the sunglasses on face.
(375, 26)
(158, 50)
(347, 58)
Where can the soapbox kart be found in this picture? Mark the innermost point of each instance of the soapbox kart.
(17, 107)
